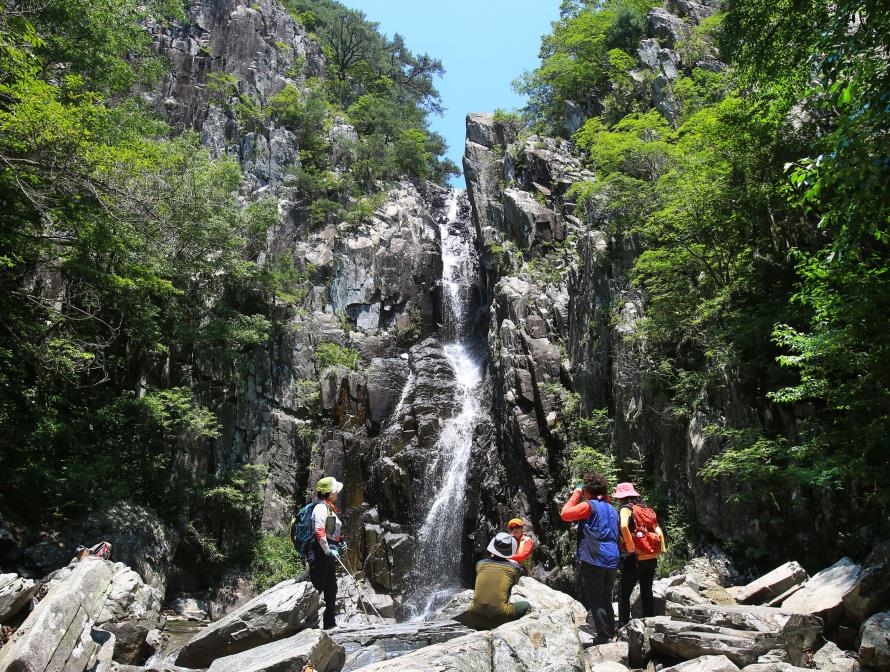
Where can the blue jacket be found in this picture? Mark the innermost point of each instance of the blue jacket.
(598, 536)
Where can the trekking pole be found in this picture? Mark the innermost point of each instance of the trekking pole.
(359, 588)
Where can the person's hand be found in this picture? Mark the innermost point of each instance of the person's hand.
(579, 485)
(333, 553)
(343, 547)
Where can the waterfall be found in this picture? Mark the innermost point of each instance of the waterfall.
(438, 554)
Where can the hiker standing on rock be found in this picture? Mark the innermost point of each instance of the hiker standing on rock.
(324, 553)
(641, 542)
(597, 549)
(525, 545)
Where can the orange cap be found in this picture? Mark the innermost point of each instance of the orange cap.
(515, 521)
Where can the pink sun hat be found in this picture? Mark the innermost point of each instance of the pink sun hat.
(623, 490)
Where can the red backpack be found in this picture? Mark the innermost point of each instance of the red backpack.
(646, 541)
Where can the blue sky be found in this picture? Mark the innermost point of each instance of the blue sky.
(483, 44)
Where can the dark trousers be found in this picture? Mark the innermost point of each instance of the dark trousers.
(598, 583)
(323, 575)
(635, 571)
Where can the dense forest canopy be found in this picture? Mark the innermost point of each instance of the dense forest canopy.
(760, 195)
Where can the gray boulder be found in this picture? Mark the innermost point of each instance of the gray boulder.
(791, 632)
(823, 595)
(742, 634)
(15, 593)
(871, 593)
(58, 635)
(704, 664)
(520, 646)
(772, 584)
(874, 642)
(285, 655)
(131, 610)
(470, 653)
(542, 640)
(613, 652)
(190, 609)
(694, 11)
(364, 657)
(283, 610)
(398, 638)
(528, 222)
(831, 659)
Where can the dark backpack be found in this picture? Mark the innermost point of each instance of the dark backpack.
(302, 529)
(646, 541)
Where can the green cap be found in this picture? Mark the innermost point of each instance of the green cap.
(328, 485)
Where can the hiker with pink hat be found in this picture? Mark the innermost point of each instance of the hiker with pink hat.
(641, 542)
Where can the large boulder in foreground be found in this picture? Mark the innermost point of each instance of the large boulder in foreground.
(874, 642)
(793, 632)
(541, 640)
(470, 653)
(58, 635)
(284, 655)
(742, 634)
(283, 610)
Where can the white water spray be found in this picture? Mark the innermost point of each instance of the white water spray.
(438, 553)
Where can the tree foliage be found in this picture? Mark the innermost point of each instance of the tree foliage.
(762, 212)
(383, 89)
(121, 265)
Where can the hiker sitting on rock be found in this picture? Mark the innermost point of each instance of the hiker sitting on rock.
(495, 578)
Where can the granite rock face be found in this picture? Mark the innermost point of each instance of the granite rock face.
(132, 609)
(59, 633)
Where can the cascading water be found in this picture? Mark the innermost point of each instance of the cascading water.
(439, 537)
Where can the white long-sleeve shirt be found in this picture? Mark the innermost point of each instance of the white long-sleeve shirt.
(320, 516)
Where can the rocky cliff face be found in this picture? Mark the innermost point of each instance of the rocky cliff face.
(552, 309)
(565, 365)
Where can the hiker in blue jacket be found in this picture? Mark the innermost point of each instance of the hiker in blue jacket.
(597, 553)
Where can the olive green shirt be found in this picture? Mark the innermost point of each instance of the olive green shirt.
(494, 581)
